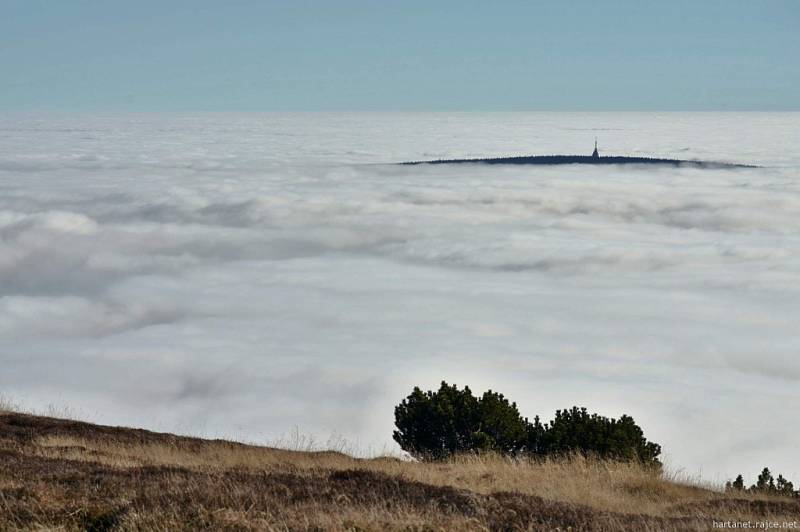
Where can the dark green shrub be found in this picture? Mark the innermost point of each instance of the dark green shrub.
(499, 422)
(784, 487)
(434, 425)
(576, 430)
(737, 484)
(765, 483)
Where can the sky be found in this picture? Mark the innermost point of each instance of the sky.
(350, 55)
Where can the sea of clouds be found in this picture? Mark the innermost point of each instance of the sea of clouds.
(245, 275)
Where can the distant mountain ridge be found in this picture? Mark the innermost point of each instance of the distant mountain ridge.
(584, 159)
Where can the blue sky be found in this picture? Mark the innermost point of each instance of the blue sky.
(412, 55)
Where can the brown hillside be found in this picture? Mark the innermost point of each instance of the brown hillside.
(67, 475)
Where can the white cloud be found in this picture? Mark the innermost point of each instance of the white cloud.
(242, 275)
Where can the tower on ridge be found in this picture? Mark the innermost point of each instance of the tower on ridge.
(595, 155)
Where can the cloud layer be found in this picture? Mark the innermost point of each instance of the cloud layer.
(242, 275)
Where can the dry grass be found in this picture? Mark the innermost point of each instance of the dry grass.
(71, 475)
(605, 485)
(8, 405)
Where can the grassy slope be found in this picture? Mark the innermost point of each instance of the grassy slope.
(77, 476)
